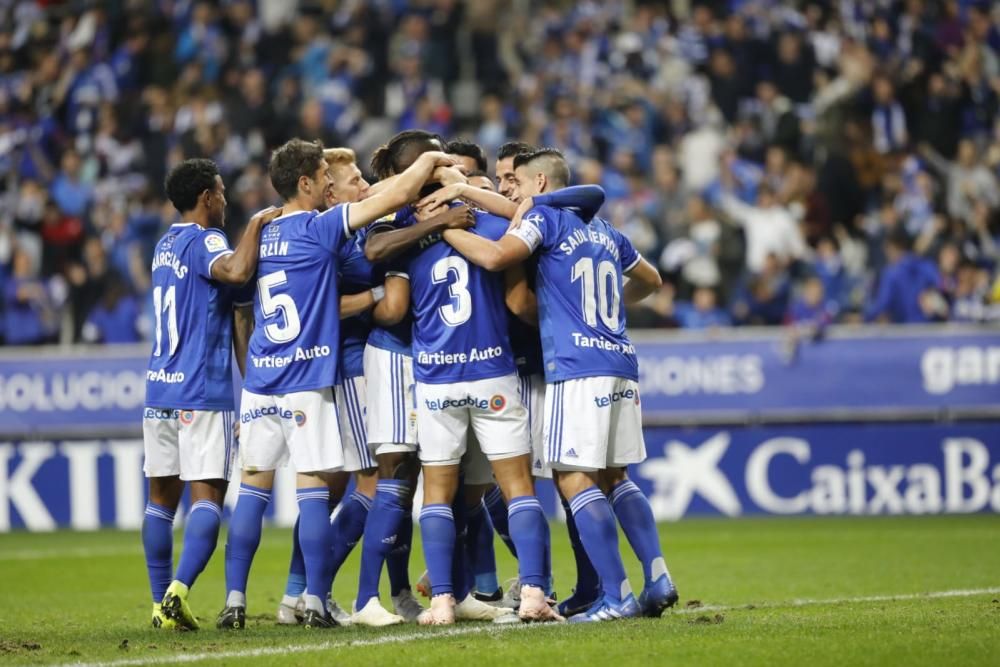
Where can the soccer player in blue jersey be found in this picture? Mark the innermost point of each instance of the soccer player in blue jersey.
(287, 408)
(466, 381)
(359, 296)
(527, 347)
(592, 374)
(188, 423)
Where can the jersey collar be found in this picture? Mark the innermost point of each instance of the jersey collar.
(290, 215)
(185, 224)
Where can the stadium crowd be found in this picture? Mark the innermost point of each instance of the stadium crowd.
(781, 162)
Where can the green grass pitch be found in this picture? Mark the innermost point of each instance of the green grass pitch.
(915, 590)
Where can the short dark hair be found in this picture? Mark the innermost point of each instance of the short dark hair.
(387, 158)
(292, 160)
(477, 172)
(188, 180)
(513, 149)
(551, 162)
(467, 148)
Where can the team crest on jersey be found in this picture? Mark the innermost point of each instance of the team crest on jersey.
(299, 417)
(187, 416)
(214, 243)
(497, 402)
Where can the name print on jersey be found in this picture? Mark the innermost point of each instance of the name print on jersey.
(475, 354)
(300, 354)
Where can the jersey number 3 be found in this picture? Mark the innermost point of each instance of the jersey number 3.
(455, 272)
(272, 304)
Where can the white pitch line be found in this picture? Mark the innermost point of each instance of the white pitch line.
(495, 629)
(306, 648)
(902, 597)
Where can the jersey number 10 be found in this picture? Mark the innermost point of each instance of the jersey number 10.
(605, 291)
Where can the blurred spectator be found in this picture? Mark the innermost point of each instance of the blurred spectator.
(29, 317)
(904, 285)
(703, 312)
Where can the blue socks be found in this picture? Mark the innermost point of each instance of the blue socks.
(296, 584)
(437, 528)
(244, 537)
(498, 515)
(479, 549)
(587, 583)
(530, 532)
(599, 534)
(158, 544)
(347, 528)
(200, 537)
(314, 538)
(636, 518)
(397, 563)
(382, 534)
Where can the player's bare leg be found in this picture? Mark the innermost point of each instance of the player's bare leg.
(528, 528)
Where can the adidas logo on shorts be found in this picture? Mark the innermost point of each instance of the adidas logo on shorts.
(571, 453)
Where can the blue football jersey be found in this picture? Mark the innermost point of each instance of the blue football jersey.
(296, 336)
(190, 366)
(399, 337)
(459, 314)
(579, 287)
(525, 339)
(357, 275)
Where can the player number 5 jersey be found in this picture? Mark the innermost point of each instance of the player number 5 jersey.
(579, 286)
(294, 346)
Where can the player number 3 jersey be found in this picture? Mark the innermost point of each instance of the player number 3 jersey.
(579, 286)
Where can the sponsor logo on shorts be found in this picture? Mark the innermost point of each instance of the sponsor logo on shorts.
(159, 413)
(467, 402)
(615, 396)
(247, 416)
(497, 402)
(187, 416)
(538, 464)
(299, 417)
(571, 453)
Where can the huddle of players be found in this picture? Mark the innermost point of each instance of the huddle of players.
(483, 317)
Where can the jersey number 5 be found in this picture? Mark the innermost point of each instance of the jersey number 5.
(454, 270)
(272, 304)
(605, 291)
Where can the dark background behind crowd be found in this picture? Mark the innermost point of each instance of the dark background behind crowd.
(794, 163)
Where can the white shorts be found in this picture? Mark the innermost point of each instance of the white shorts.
(392, 413)
(593, 423)
(351, 398)
(490, 408)
(195, 444)
(533, 397)
(301, 426)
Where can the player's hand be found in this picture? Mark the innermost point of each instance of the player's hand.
(458, 217)
(266, 215)
(526, 205)
(439, 158)
(449, 176)
(442, 197)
